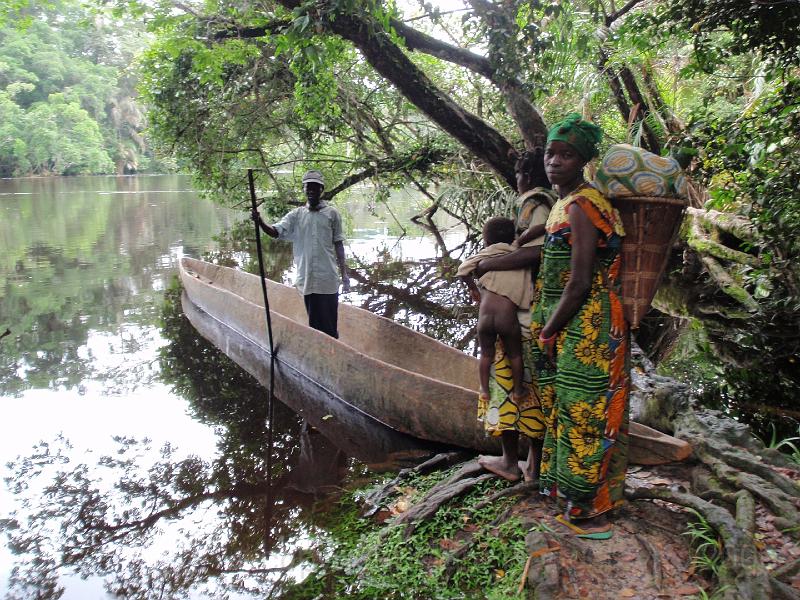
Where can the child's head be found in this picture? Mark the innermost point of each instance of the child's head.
(529, 168)
(498, 230)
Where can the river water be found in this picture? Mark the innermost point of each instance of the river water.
(109, 392)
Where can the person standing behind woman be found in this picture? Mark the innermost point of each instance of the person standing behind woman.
(502, 413)
(583, 344)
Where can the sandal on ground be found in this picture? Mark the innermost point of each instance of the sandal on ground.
(601, 533)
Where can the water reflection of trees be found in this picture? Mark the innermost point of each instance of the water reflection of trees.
(422, 295)
(77, 262)
(83, 524)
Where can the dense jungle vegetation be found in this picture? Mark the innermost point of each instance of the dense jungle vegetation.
(439, 96)
(68, 104)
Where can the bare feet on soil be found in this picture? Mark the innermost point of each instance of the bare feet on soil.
(501, 467)
(529, 473)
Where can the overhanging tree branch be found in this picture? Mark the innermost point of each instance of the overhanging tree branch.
(390, 62)
(527, 118)
(621, 12)
(416, 40)
(420, 160)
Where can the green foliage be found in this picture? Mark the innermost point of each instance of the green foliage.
(735, 86)
(65, 92)
(767, 27)
(716, 594)
(62, 138)
(313, 58)
(706, 544)
(751, 163)
(365, 562)
(787, 444)
(290, 99)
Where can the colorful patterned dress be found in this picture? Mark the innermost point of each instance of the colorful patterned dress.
(501, 411)
(585, 398)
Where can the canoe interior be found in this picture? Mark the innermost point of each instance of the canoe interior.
(364, 331)
(357, 434)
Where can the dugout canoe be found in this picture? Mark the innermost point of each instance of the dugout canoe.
(405, 380)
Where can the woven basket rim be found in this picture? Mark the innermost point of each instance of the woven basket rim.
(672, 200)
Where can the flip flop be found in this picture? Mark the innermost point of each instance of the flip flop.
(604, 533)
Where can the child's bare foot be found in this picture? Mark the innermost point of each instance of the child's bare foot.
(498, 465)
(529, 473)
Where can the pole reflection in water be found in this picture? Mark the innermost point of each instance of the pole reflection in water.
(144, 518)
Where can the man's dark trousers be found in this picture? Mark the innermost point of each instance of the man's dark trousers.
(323, 312)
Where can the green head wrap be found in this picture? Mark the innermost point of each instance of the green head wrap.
(582, 135)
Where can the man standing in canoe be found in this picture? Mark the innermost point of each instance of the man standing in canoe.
(315, 231)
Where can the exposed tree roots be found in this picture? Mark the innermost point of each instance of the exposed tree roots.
(737, 485)
(379, 498)
(735, 471)
(742, 572)
(456, 485)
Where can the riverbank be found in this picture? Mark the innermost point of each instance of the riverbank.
(462, 533)
(723, 524)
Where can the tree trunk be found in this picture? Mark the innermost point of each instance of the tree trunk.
(391, 63)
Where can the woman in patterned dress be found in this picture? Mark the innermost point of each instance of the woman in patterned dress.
(582, 353)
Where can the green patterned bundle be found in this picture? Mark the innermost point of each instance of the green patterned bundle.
(629, 171)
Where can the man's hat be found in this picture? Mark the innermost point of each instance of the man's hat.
(315, 177)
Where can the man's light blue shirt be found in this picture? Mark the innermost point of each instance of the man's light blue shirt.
(313, 234)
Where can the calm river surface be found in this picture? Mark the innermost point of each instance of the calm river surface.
(99, 360)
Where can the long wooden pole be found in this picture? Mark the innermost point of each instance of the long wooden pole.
(270, 403)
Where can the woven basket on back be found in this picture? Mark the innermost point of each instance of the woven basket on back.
(651, 225)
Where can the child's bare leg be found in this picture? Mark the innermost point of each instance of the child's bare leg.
(509, 332)
(492, 308)
(517, 376)
(487, 339)
(531, 465)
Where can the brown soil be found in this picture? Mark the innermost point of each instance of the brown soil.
(649, 555)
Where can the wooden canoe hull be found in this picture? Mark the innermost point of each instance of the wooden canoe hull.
(649, 446)
(357, 434)
(439, 409)
(403, 379)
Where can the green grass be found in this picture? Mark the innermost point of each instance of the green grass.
(367, 561)
(788, 445)
(706, 545)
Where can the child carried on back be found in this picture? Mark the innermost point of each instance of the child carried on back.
(500, 295)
